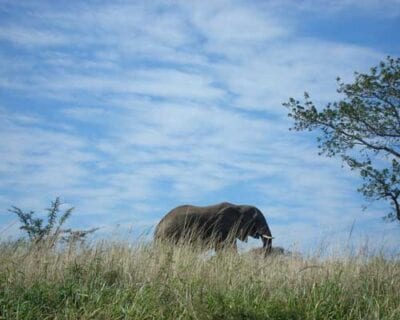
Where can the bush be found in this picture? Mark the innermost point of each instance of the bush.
(50, 231)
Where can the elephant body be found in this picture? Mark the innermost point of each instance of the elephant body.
(214, 226)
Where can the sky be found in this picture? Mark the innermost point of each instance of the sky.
(127, 109)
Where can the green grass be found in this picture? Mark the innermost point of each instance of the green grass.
(118, 281)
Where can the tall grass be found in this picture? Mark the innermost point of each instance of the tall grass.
(120, 281)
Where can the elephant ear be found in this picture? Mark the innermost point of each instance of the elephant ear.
(230, 221)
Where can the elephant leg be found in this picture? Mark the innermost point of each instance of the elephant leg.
(234, 246)
(224, 244)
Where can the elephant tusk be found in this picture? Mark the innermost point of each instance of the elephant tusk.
(267, 237)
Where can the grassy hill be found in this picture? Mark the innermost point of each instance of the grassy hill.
(119, 281)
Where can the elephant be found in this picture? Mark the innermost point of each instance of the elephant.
(216, 226)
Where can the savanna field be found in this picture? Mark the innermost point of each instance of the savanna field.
(117, 280)
(177, 126)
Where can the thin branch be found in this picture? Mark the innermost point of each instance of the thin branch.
(362, 141)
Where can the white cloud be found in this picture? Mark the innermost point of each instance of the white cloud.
(137, 107)
(267, 79)
(236, 25)
(31, 37)
(156, 83)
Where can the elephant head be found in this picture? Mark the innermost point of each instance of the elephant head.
(252, 223)
(219, 224)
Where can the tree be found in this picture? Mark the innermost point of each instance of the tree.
(363, 128)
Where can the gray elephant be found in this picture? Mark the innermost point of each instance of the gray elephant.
(217, 226)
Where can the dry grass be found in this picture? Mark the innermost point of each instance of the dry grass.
(121, 281)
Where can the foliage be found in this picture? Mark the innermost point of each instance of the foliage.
(121, 281)
(49, 232)
(363, 129)
(74, 236)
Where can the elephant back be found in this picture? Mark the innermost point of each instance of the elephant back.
(186, 219)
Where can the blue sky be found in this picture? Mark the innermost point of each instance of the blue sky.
(128, 109)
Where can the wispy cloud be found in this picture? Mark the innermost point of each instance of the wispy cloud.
(129, 109)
